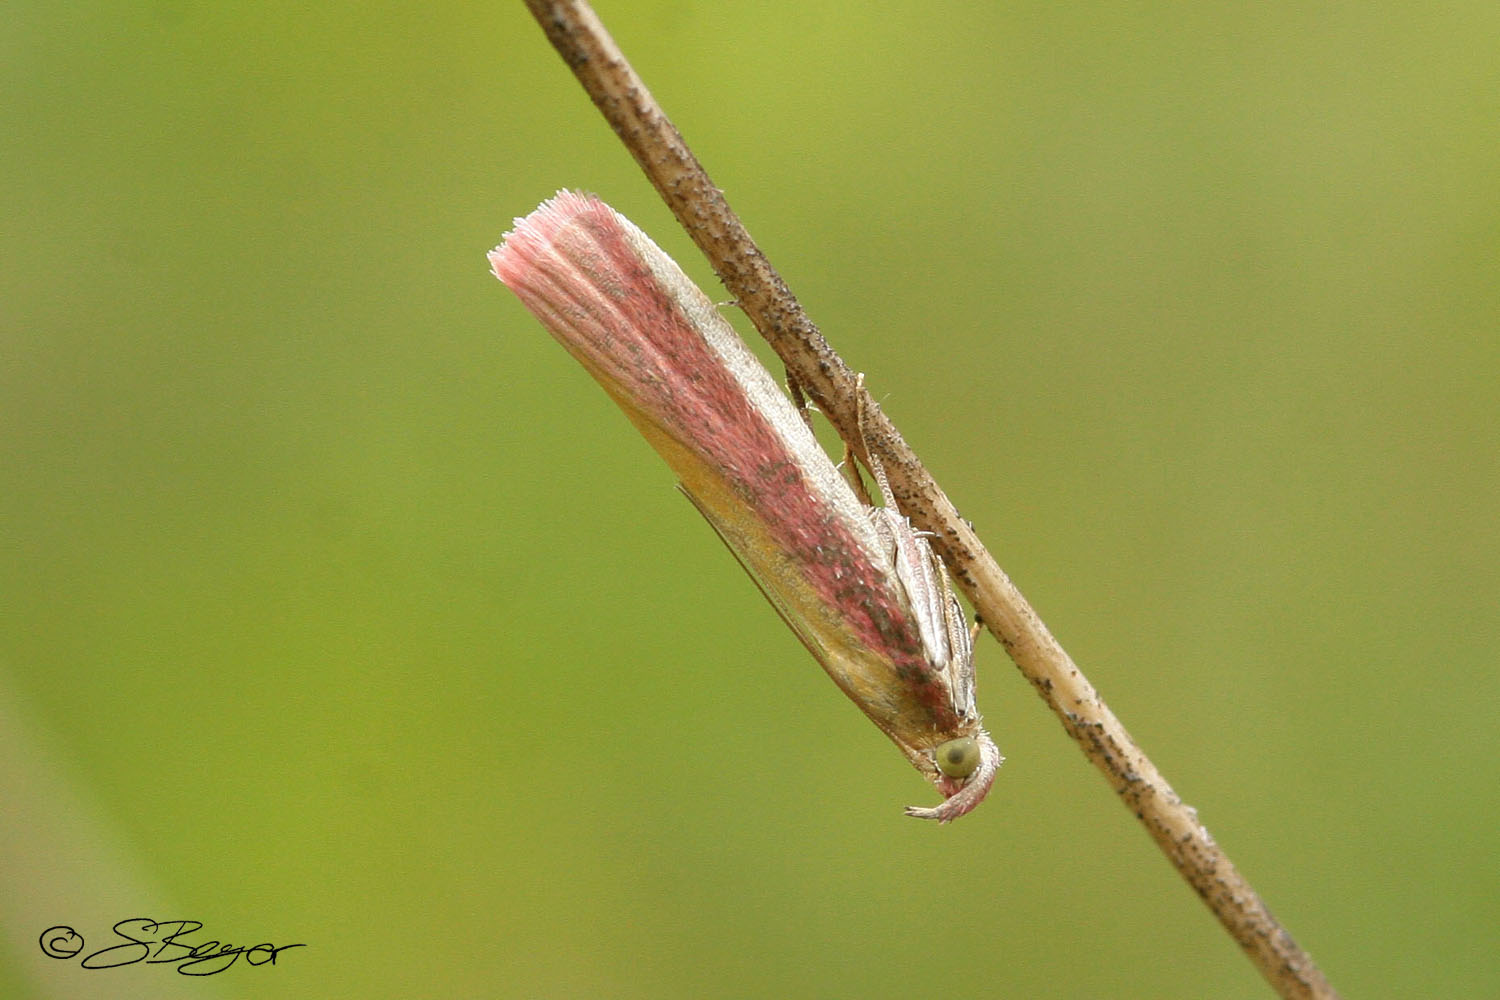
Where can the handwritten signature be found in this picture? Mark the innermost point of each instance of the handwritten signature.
(155, 942)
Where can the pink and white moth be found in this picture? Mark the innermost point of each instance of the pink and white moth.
(860, 588)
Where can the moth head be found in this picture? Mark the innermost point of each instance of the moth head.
(958, 758)
(965, 769)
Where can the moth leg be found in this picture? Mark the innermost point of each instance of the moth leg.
(877, 469)
(799, 398)
(850, 469)
(892, 528)
(847, 467)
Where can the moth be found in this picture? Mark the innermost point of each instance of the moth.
(861, 589)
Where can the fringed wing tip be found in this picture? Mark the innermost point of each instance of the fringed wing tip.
(974, 790)
(533, 232)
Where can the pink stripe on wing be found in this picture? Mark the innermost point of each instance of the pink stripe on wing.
(572, 262)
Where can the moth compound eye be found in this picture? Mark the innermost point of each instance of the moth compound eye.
(958, 758)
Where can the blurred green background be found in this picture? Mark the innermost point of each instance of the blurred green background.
(340, 607)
